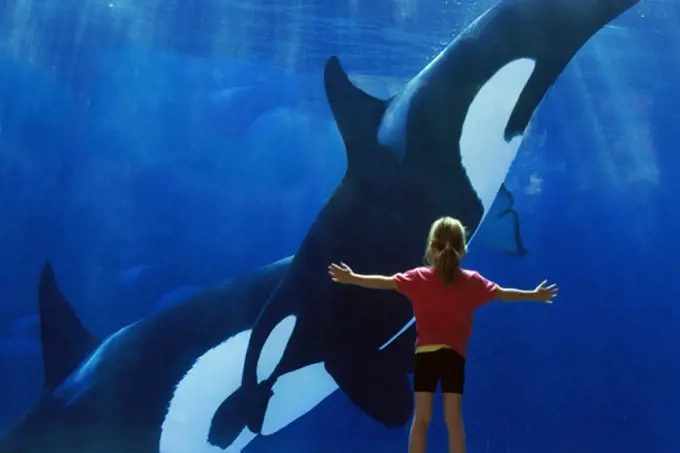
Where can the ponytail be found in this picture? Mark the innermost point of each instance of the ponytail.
(446, 245)
(447, 263)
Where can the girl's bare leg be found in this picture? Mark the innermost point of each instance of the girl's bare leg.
(453, 415)
(421, 422)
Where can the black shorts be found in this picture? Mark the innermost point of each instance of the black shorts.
(444, 365)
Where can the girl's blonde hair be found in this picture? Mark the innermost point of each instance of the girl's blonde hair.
(446, 245)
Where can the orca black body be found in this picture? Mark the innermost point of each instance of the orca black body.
(441, 147)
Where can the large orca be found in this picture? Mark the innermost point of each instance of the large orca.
(255, 354)
(443, 146)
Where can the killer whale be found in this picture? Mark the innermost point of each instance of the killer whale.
(98, 405)
(443, 146)
(106, 390)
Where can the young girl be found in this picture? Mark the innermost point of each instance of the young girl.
(444, 297)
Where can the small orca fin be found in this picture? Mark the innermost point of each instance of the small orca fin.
(380, 391)
(65, 341)
(241, 409)
(357, 113)
(500, 229)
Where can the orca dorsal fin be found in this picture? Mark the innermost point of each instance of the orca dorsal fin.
(357, 113)
(65, 341)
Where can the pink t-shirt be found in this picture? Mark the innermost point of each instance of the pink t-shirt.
(444, 313)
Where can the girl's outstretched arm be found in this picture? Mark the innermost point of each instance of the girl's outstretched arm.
(343, 274)
(542, 293)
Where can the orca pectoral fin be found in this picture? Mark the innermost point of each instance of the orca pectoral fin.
(295, 394)
(500, 229)
(241, 409)
(380, 391)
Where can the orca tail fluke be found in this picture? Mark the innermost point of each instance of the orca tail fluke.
(245, 408)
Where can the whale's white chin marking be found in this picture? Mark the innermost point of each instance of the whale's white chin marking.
(214, 376)
(218, 373)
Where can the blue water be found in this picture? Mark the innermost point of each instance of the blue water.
(152, 149)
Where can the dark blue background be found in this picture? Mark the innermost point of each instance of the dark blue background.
(121, 145)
